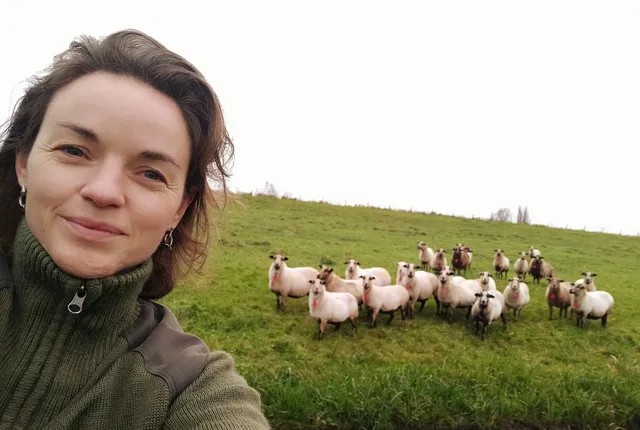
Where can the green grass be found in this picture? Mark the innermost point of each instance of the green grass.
(426, 373)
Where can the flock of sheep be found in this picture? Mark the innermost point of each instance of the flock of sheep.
(334, 300)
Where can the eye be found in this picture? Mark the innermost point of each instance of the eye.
(154, 175)
(72, 151)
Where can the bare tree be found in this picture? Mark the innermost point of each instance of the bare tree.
(525, 216)
(268, 190)
(520, 215)
(503, 214)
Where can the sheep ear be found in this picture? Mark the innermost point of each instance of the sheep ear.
(320, 266)
(584, 273)
(490, 296)
(272, 257)
(478, 295)
(405, 266)
(286, 258)
(371, 278)
(594, 274)
(312, 281)
(330, 269)
(358, 263)
(346, 262)
(361, 276)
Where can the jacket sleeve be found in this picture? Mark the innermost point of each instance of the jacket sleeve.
(218, 399)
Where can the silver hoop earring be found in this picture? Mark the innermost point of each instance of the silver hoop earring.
(22, 198)
(168, 238)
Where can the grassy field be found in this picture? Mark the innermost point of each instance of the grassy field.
(426, 373)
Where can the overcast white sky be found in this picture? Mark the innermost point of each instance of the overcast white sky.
(460, 107)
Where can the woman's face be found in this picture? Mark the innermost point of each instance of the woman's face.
(106, 175)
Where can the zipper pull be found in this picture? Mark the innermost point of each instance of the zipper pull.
(75, 306)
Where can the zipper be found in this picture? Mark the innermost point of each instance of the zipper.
(75, 306)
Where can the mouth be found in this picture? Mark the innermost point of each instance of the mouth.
(93, 230)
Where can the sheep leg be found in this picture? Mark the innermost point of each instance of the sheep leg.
(484, 330)
(551, 312)
(468, 313)
(337, 326)
(477, 325)
(353, 325)
(437, 304)
(422, 304)
(391, 315)
(604, 320)
(449, 314)
(374, 316)
(277, 302)
(504, 320)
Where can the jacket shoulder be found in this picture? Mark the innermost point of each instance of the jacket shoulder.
(168, 352)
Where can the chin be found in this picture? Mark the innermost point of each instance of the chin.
(87, 267)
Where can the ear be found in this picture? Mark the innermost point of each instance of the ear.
(286, 258)
(346, 262)
(584, 273)
(320, 266)
(490, 296)
(21, 168)
(272, 257)
(311, 281)
(330, 269)
(372, 277)
(361, 276)
(358, 263)
(594, 274)
(187, 198)
(478, 295)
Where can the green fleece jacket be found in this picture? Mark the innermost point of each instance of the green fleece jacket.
(120, 363)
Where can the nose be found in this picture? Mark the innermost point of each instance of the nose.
(104, 186)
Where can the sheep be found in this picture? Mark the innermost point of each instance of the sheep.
(384, 299)
(486, 281)
(354, 271)
(453, 295)
(425, 255)
(591, 304)
(500, 263)
(331, 308)
(462, 258)
(516, 296)
(521, 266)
(420, 284)
(533, 252)
(287, 281)
(540, 269)
(335, 283)
(439, 261)
(557, 295)
(588, 280)
(487, 308)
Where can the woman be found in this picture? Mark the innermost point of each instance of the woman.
(104, 195)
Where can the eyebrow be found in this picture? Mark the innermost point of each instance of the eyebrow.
(82, 131)
(93, 137)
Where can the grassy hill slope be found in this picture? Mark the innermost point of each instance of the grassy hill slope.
(425, 373)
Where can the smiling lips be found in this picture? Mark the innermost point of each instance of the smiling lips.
(93, 230)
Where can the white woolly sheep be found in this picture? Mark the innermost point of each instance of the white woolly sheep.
(439, 261)
(488, 307)
(533, 252)
(591, 304)
(521, 266)
(540, 269)
(500, 263)
(425, 255)
(331, 308)
(287, 281)
(487, 282)
(421, 285)
(516, 296)
(558, 295)
(354, 271)
(384, 299)
(335, 283)
(588, 280)
(454, 295)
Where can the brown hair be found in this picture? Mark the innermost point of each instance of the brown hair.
(135, 54)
